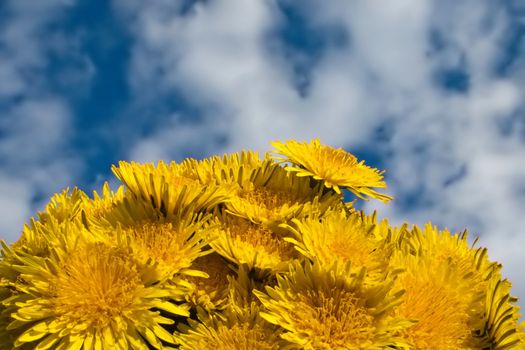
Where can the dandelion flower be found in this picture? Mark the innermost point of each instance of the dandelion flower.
(233, 329)
(256, 245)
(440, 299)
(332, 309)
(271, 196)
(166, 247)
(475, 307)
(340, 237)
(172, 245)
(88, 295)
(336, 168)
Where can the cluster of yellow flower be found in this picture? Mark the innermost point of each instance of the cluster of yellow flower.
(243, 252)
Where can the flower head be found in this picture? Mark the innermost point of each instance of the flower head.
(340, 237)
(336, 168)
(452, 249)
(332, 309)
(441, 302)
(445, 282)
(256, 245)
(271, 196)
(454, 293)
(172, 243)
(233, 329)
(88, 294)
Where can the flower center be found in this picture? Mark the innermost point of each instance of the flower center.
(333, 320)
(267, 199)
(257, 239)
(96, 285)
(352, 247)
(332, 161)
(163, 243)
(243, 337)
(441, 312)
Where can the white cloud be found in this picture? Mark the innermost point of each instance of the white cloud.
(445, 146)
(15, 199)
(178, 141)
(35, 122)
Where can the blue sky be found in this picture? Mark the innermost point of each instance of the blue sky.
(431, 91)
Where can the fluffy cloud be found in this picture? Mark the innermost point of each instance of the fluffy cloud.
(423, 73)
(34, 156)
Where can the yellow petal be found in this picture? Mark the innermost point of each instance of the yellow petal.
(163, 334)
(88, 341)
(172, 308)
(47, 342)
(30, 335)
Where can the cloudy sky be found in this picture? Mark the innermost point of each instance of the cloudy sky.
(431, 91)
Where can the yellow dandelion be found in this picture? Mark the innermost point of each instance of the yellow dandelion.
(332, 309)
(272, 196)
(88, 295)
(233, 329)
(173, 248)
(443, 302)
(340, 237)
(473, 283)
(255, 245)
(210, 292)
(40, 241)
(171, 244)
(168, 187)
(336, 168)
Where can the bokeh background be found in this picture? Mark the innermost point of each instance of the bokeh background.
(431, 91)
